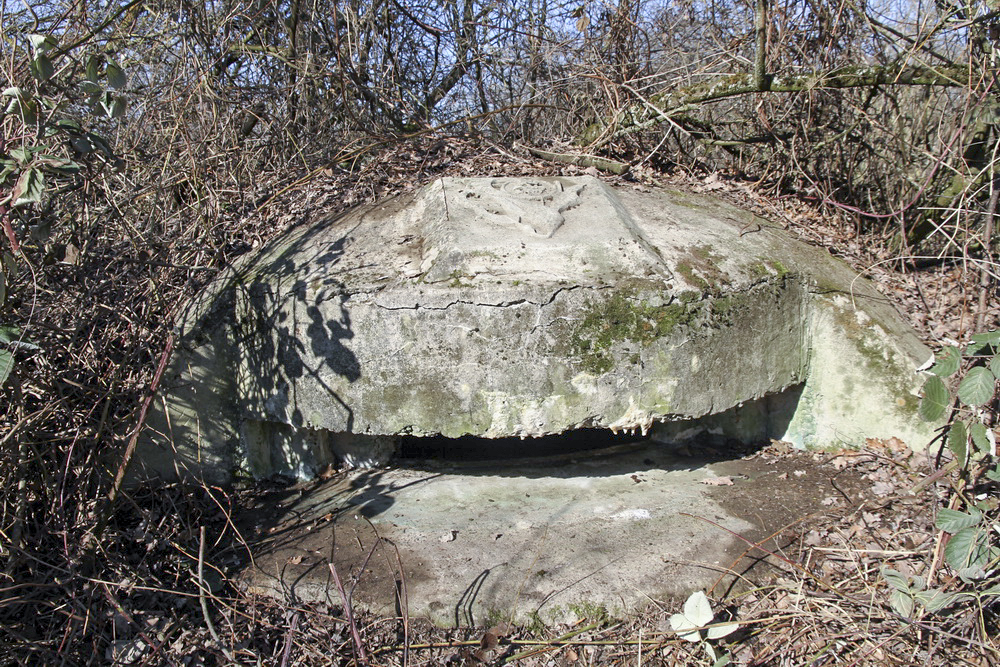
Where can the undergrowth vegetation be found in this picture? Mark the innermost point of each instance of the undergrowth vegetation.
(146, 145)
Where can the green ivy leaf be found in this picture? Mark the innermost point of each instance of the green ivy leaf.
(12, 337)
(68, 125)
(976, 387)
(8, 334)
(934, 600)
(94, 67)
(9, 167)
(15, 91)
(685, 628)
(6, 365)
(29, 187)
(979, 438)
(117, 109)
(987, 337)
(723, 660)
(935, 399)
(82, 145)
(52, 105)
(971, 574)
(901, 603)
(952, 521)
(59, 165)
(958, 441)
(25, 109)
(100, 144)
(972, 349)
(41, 68)
(995, 366)
(9, 264)
(90, 87)
(42, 43)
(969, 547)
(22, 154)
(112, 106)
(698, 609)
(696, 615)
(116, 75)
(947, 362)
(895, 579)
(720, 631)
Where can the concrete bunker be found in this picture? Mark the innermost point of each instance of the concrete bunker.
(520, 308)
(494, 334)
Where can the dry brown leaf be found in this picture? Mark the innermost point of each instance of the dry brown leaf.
(489, 641)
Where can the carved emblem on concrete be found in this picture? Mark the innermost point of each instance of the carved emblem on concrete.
(533, 204)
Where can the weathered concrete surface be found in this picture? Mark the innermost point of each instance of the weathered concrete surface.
(527, 307)
(560, 537)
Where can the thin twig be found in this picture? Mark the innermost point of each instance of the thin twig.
(168, 349)
(984, 274)
(287, 653)
(359, 648)
(202, 588)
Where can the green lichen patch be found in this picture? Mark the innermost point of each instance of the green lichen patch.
(689, 296)
(690, 277)
(701, 268)
(879, 360)
(706, 253)
(624, 318)
(456, 279)
(590, 611)
(723, 309)
(758, 271)
(779, 269)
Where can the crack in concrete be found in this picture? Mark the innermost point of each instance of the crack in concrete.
(501, 304)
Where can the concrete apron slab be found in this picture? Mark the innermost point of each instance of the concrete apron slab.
(465, 544)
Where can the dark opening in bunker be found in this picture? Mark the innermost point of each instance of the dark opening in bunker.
(302, 452)
(751, 423)
(471, 448)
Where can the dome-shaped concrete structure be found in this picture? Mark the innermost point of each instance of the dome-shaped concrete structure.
(523, 307)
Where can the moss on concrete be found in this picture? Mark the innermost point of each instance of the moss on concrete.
(701, 268)
(779, 269)
(624, 317)
(879, 361)
(687, 272)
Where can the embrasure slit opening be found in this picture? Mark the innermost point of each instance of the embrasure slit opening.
(471, 448)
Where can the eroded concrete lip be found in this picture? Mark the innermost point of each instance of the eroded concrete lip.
(486, 541)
